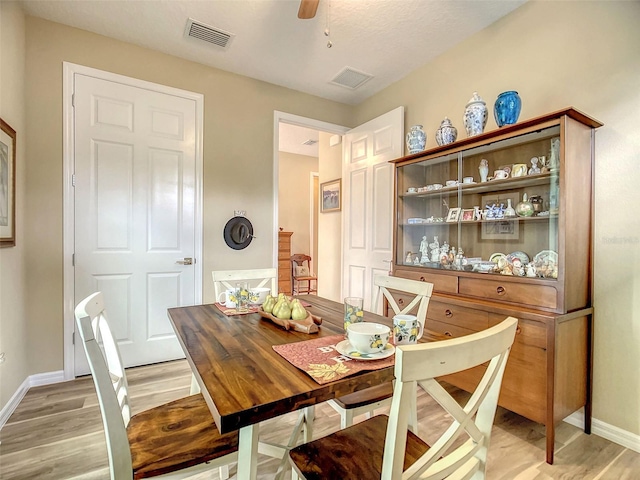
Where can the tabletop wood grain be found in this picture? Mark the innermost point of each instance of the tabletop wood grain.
(243, 380)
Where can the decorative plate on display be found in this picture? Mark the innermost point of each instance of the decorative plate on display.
(523, 257)
(546, 256)
(546, 264)
(496, 256)
(346, 349)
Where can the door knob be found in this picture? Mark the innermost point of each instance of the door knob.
(186, 261)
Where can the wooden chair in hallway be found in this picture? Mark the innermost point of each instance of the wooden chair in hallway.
(367, 400)
(174, 440)
(302, 277)
(382, 447)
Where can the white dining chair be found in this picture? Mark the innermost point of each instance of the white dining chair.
(369, 399)
(174, 440)
(259, 277)
(384, 448)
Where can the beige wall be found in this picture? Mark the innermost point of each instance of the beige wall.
(329, 264)
(238, 159)
(558, 54)
(294, 198)
(13, 322)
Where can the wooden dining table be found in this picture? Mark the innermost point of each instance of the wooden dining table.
(244, 381)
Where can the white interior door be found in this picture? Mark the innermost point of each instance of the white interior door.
(368, 202)
(135, 212)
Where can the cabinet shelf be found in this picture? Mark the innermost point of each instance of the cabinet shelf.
(542, 218)
(490, 186)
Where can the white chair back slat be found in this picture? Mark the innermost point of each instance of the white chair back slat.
(421, 290)
(422, 363)
(110, 382)
(261, 277)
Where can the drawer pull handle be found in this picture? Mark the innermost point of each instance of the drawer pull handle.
(518, 330)
(448, 334)
(422, 279)
(500, 290)
(400, 301)
(448, 313)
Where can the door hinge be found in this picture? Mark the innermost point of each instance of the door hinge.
(73, 259)
(73, 338)
(73, 179)
(73, 99)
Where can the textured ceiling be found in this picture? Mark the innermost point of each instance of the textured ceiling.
(383, 38)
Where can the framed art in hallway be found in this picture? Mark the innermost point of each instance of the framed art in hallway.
(330, 196)
(7, 185)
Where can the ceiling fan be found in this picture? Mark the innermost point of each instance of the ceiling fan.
(308, 9)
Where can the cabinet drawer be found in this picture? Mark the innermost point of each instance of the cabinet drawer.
(441, 283)
(524, 386)
(528, 332)
(446, 329)
(525, 293)
(284, 274)
(468, 318)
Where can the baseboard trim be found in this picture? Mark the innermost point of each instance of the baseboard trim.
(13, 402)
(36, 380)
(616, 435)
(48, 378)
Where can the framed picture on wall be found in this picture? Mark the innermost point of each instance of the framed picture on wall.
(7, 185)
(330, 196)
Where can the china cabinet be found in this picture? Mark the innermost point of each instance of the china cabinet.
(460, 233)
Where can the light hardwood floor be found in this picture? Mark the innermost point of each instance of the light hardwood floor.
(56, 433)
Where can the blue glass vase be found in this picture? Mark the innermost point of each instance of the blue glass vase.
(507, 108)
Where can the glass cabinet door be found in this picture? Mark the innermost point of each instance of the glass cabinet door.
(489, 209)
(428, 190)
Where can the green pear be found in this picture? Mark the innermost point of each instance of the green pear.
(278, 305)
(268, 304)
(298, 312)
(284, 311)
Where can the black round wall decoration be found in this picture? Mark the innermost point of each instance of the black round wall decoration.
(238, 233)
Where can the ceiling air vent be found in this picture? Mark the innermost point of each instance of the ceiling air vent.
(351, 78)
(209, 34)
(310, 142)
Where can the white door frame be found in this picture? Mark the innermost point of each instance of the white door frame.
(292, 119)
(313, 213)
(68, 155)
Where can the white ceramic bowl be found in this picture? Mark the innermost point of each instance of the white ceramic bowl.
(257, 296)
(367, 337)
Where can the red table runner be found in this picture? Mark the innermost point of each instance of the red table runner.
(322, 362)
(230, 311)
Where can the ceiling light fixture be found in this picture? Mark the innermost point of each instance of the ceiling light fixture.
(327, 31)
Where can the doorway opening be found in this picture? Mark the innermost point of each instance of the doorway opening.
(299, 169)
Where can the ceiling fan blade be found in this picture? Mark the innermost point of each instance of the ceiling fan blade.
(308, 9)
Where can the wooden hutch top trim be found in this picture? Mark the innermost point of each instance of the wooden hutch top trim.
(569, 112)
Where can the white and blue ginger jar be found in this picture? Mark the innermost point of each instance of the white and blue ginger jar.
(475, 115)
(416, 139)
(447, 133)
